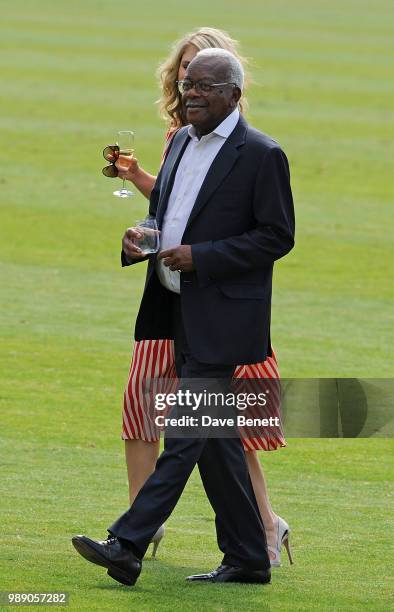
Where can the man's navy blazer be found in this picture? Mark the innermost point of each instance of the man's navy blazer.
(242, 221)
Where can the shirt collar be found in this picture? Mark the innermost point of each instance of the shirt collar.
(224, 129)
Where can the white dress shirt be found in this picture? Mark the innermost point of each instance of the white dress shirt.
(192, 170)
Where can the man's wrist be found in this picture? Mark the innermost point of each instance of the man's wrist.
(126, 260)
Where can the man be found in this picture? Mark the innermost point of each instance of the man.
(223, 203)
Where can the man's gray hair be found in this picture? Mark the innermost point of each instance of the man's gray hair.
(235, 71)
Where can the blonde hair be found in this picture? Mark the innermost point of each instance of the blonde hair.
(170, 102)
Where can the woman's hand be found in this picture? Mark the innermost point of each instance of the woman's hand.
(128, 167)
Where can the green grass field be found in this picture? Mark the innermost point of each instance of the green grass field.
(72, 74)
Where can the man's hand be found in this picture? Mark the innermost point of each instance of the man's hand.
(178, 258)
(129, 246)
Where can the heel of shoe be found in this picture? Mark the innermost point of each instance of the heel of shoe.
(286, 544)
(157, 538)
(122, 578)
(155, 547)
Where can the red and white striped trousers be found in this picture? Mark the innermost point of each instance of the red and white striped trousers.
(155, 359)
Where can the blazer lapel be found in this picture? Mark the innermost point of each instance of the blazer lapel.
(220, 167)
(169, 169)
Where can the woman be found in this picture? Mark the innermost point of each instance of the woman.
(155, 358)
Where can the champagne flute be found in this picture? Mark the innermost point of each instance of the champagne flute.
(125, 142)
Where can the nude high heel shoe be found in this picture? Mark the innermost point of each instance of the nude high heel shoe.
(282, 538)
(157, 538)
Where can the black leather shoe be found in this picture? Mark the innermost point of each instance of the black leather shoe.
(122, 564)
(230, 573)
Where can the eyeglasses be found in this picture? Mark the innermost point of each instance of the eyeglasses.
(201, 87)
(111, 154)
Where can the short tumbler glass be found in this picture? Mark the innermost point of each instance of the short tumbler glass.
(150, 242)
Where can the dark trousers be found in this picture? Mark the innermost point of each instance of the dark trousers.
(224, 474)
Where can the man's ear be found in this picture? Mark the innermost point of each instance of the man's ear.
(237, 93)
